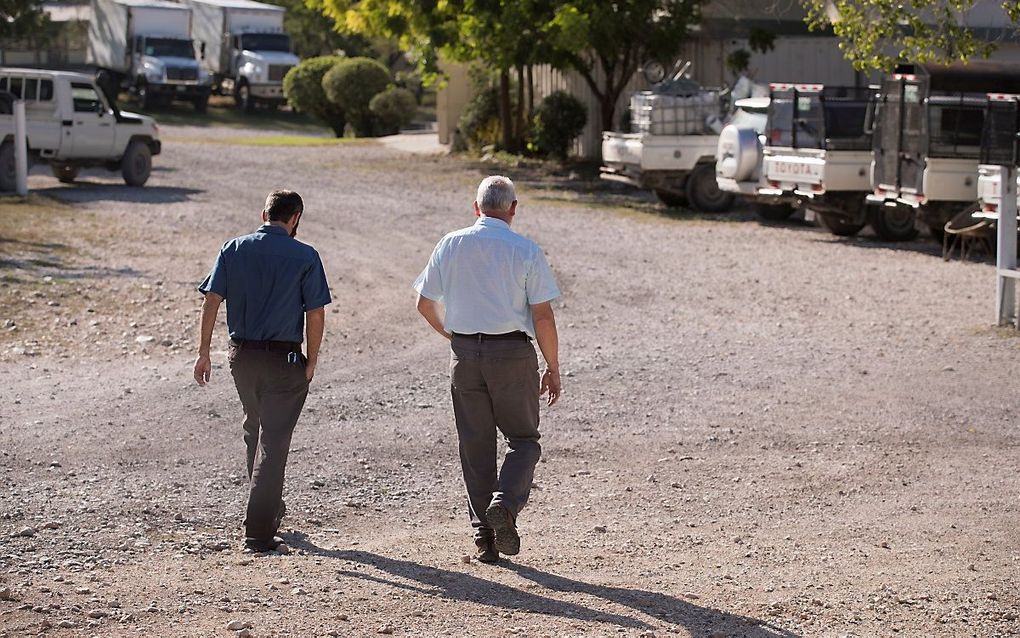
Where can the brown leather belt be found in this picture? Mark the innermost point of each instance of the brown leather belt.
(271, 346)
(506, 336)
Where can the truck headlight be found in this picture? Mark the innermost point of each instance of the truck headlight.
(203, 76)
(154, 73)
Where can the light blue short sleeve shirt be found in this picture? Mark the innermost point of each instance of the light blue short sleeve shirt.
(487, 277)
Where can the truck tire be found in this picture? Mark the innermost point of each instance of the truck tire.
(774, 212)
(671, 198)
(839, 225)
(893, 223)
(201, 104)
(66, 173)
(8, 180)
(145, 99)
(136, 164)
(703, 191)
(243, 97)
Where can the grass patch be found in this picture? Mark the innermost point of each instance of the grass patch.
(222, 113)
(291, 140)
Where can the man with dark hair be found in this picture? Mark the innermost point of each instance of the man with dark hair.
(274, 287)
(489, 291)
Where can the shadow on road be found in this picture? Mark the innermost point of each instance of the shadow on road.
(457, 586)
(85, 191)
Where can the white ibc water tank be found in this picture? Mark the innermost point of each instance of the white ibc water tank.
(738, 156)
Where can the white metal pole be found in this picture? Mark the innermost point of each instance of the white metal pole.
(1005, 259)
(20, 150)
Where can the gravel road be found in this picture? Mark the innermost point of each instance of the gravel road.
(765, 431)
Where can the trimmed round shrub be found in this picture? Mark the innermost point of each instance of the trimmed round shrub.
(303, 87)
(351, 85)
(393, 109)
(559, 119)
(479, 122)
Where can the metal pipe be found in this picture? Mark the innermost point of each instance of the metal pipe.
(20, 149)
(1005, 258)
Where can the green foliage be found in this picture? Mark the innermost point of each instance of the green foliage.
(23, 22)
(761, 41)
(303, 87)
(876, 34)
(738, 61)
(559, 119)
(351, 85)
(313, 34)
(393, 108)
(479, 122)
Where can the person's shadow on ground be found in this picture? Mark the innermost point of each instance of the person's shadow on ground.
(451, 585)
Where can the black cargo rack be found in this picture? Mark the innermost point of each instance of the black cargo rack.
(1000, 138)
(833, 118)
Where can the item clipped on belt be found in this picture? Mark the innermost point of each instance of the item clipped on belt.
(506, 336)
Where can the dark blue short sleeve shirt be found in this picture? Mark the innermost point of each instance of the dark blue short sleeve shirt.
(268, 280)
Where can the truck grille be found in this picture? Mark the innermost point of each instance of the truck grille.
(181, 73)
(277, 71)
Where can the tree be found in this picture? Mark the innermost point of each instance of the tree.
(876, 34)
(303, 87)
(351, 85)
(23, 21)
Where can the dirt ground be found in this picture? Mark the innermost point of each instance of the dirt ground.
(765, 431)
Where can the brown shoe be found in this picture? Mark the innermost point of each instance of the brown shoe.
(486, 552)
(502, 523)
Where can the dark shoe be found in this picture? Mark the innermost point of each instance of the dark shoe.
(261, 546)
(486, 552)
(502, 523)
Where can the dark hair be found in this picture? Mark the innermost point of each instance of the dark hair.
(281, 205)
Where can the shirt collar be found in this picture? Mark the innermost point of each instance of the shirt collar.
(492, 222)
(273, 230)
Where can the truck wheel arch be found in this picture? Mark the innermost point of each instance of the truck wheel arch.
(145, 139)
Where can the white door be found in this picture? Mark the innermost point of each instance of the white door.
(92, 124)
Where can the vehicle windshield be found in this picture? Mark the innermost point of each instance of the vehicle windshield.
(169, 48)
(265, 42)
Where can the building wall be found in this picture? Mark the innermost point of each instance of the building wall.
(451, 99)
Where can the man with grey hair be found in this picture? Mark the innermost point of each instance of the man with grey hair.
(496, 289)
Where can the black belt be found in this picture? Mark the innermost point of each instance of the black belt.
(272, 346)
(506, 336)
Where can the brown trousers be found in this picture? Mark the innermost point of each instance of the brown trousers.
(272, 392)
(495, 386)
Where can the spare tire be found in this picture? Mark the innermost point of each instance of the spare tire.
(738, 154)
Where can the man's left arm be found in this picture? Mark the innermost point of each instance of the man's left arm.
(203, 365)
(315, 326)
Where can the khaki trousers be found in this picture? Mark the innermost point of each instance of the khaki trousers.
(495, 386)
(272, 393)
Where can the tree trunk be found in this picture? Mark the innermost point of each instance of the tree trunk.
(531, 94)
(519, 127)
(505, 121)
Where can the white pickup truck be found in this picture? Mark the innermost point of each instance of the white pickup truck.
(672, 152)
(1000, 145)
(71, 125)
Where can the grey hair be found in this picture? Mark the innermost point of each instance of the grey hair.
(495, 194)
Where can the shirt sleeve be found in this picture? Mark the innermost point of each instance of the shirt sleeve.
(540, 285)
(314, 289)
(216, 280)
(429, 283)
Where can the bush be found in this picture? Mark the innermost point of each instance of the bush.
(351, 85)
(303, 87)
(393, 109)
(479, 123)
(559, 119)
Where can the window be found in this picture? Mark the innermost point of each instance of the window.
(86, 99)
(31, 89)
(45, 90)
(3, 84)
(15, 86)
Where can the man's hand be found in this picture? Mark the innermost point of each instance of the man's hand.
(309, 370)
(551, 384)
(203, 368)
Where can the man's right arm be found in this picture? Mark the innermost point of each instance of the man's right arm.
(548, 343)
(203, 365)
(430, 310)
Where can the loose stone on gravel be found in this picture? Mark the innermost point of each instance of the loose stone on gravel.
(386, 629)
(237, 625)
(5, 594)
(26, 532)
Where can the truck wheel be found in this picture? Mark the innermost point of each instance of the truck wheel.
(839, 225)
(774, 212)
(65, 172)
(671, 198)
(243, 97)
(201, 104)
(8, 180)
(136, 164)
(703, 191)
(893, 224)
(145, 98)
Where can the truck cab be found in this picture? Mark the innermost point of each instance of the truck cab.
(927, 139)
(259, 60)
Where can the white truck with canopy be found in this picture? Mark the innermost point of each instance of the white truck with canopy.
(1000, 146)
(927, 140)
(245, 50)
(671, 149)
(145, 47)
(71, 125)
